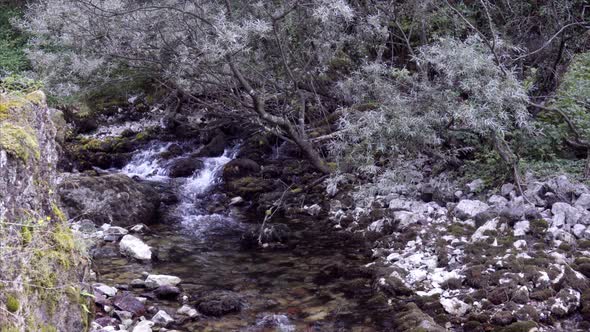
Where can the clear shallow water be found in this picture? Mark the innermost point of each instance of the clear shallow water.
(281, 289)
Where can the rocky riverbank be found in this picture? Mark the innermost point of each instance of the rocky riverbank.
(481, 261)
(173, 222)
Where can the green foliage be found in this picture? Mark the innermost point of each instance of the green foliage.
(12, 303)
(12, 42)
(573, 95)
(488, 166)
(16, 83)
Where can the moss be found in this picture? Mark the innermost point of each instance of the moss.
(142, 136)
(64, 238)
(8, 103)
(458, 230)
(26, 234)
(58, 214)
(19, 141)
(539, 227)
(9, 328)
(584, 244)
(36, 97)
(12, 303)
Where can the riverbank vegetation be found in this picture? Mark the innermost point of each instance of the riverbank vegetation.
(363, 83)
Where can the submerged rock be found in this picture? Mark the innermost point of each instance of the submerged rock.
(219, 303)
(128, 302)
(134, 247)
(115, 199)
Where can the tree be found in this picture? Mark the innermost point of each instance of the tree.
(263, 61)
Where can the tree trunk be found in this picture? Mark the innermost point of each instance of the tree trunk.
(288, 127)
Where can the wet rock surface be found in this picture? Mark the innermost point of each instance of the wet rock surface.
(115, 199)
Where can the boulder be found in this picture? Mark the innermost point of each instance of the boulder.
(158, 280)
(115, 199)
(134, 247)
(167, 292)
(455, 306)
(565, 302)
(214, 148)
(186, 310)
(128, 302)
(583, 201)
(240, 167)
(564, 189)
(564, 214)
(106, 290)
(184, 167)
(162, 318)
(469, 208)
(143, 326)
(219, 303)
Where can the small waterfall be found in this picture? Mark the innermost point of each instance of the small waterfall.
(146, 164)
(192, 191)
(193, 216)
(279, 323)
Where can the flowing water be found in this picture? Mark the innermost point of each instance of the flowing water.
(281, 289)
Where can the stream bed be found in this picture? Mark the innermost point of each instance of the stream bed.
(312, 284)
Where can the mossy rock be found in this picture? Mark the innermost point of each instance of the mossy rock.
(12, 303)
(19, 141)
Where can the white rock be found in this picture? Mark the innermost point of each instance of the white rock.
(470, 208)
(497, 200)
(583, 202)
(520, 244)
(490, 225)
(586, 234)
(134, 247)
(143, 326)
(506, 189)
(313, 210)
(578, 230)
(106, 290)
(116, 230)
(521, 228)
(377, 226)
(162, 318)
(406, 218)
(564, 213)
(455, 306)
(158, 280)
(236, 200)
(105, 227)
(400, 204)
(139, 228)
(185, 310)
(475, 185)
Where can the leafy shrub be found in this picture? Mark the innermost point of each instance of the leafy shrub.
(12, 42)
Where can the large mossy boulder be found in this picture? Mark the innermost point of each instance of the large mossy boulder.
(115, 199)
